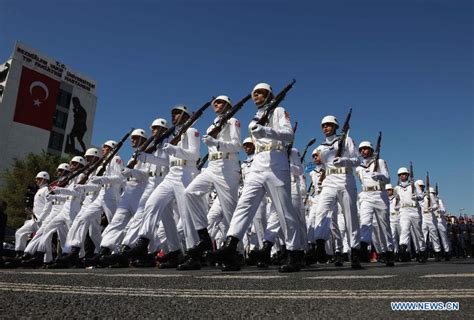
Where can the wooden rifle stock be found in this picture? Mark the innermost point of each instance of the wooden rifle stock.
(345, 130)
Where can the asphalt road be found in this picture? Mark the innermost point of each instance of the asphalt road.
(317, 292)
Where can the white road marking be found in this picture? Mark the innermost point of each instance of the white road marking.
(129, 275)
(350, 277)
(449, 275)
(240, 294)
(228, 276)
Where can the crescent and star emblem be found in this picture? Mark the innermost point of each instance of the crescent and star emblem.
(34, 84)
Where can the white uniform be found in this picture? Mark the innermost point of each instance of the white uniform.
(374, 203)
(137, 180)
(410, 215)
(183, 169)
(338, 186)
(430, 221)
(222, 173)
(159, 167)
(30, 226)
(442, 227)
(269, 173)
(106, 201)
(395, 221)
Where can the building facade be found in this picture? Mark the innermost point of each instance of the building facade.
(44, 105)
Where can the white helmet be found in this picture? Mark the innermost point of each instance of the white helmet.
(42, 175)
(264, 86)
(420, 183)
(388, 186)
(316, 150)
(79, 159)
(223, 98)
(247, 140)
(92, 152)
(110, 143)
(64, 166)
(159, 123)
(330, 119)
(403, 170)
(181, 107)
(366, 144)
(432, 190)
(139, 133)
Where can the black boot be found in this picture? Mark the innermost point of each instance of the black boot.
(364, 252)
(437, 256)
(226, 252)
(295, 260)
(447, 256)
(338, 261)
(264, 255)
(173, 259)
(404, 254)
(422, 255)
(389, 259)
(232, 264)
(252, 258)
(34, 262)
(281, 257)
(119, 260)
(321, 251)
(191, 263)
(67, 261)
(204, 244)
(355, 255)
(310, 257)
(140, 250)
(19, 254)
(345, 257)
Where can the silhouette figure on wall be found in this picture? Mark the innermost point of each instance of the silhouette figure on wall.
(78, 129)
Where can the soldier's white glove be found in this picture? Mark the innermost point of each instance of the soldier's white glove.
(377, 176)
(126, 173)
(169, 149)
(97, 180)
(259, 131)
(340, 162)
(210, 141)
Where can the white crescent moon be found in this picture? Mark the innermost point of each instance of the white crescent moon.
(41, 85)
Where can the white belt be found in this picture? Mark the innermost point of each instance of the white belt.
(71, 198)
(408, 205)
(132, 179)
(56, 202)
(180, 163)
(91, 193)
(156, 174)
(373, 188)
(268, 147)
(343, 170)
(221, 155)
(394, 213)
(107, 186)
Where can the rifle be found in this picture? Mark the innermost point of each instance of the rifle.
(226, 117)
(196, 115)
(345, 131)
(436, 189)
(273, 104)
(428, 190)
(290, 146)
(104, 161)
(308, 192)
(377, 152)
(412, 179)
(309, 144)
(221, 123)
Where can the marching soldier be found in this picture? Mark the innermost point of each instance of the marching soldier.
(269, 173)
(374, 202)
(394, 216)
(338, 187)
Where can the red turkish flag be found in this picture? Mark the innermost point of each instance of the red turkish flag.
(36, 100)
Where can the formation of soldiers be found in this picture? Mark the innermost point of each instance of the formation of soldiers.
(164, 209)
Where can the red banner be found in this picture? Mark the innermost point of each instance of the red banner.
(36, 101)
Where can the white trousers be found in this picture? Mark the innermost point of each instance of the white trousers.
(443, 235)
(277, 186)
(429, 226)
(375, 205)
(22, 234)
(410, 221)
(396, 230)
(347, 198)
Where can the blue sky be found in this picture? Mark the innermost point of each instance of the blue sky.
(405, 67)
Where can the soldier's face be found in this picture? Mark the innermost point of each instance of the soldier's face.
(317, 158)
(38, 181)
(259, 96)
(105, 150)
(91, 159)
(328, 129)
(219, 106)
(177, 119)
(390, 192)
(403, 177)
(135, 141)
(249, 148)
(365, 152)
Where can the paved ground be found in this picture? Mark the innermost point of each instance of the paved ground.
(317, 292)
